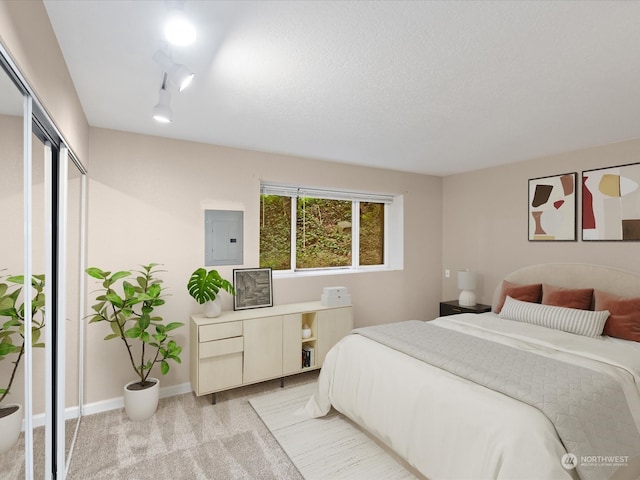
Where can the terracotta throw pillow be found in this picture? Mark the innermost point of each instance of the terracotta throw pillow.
(524, 293)
(624, 321)
(580, 298)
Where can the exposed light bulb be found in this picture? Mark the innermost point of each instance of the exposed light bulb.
(179, 30)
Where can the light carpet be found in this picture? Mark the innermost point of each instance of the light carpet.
(186, 439)
(327, 448)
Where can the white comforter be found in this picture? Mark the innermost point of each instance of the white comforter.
(449, 428)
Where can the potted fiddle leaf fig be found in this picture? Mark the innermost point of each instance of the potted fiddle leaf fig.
(205, 286)
(129, 310)
(12, 345)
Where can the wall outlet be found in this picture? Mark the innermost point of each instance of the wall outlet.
(447, 273)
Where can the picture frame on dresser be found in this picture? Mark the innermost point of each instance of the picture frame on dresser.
(552, 208)
(253, 288)
(611, 203)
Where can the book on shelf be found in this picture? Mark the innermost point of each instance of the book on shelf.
(307, 356)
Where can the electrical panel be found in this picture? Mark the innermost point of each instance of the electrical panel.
(223, 237)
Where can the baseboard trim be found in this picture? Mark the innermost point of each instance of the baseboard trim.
(118, 402)
(109, 404)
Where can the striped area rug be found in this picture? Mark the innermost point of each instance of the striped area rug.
(327, 448)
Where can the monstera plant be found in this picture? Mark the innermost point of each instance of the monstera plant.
(129, 310)
(12, 345)
(204, 287)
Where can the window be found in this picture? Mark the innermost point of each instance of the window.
(309, 229)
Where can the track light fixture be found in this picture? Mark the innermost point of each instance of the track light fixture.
(178, 31)
(162, 111)
(179, 75)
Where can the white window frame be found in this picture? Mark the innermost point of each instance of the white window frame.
(393, 227)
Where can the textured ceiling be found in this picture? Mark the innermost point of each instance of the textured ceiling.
(435, 87)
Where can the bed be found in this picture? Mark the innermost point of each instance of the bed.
(449, 421)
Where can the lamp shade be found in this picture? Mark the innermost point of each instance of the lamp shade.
(466, 280)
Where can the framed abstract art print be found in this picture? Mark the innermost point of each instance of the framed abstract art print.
(553, 208)
(253, 288)
(611, 203)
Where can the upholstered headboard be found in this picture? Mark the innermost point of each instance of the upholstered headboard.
(575, 275)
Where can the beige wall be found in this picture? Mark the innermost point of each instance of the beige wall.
(25, 31)
(485, 220)
(147, 197)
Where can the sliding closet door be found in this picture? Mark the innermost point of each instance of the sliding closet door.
(71, 282)
(12, 259)
(65, 247)
(42, 205)
(74, 285)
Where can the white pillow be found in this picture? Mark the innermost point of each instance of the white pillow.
(572, 320)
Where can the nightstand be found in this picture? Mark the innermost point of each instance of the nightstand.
(452, 307)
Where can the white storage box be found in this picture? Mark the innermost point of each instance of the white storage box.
(335, 300)
(334, 291)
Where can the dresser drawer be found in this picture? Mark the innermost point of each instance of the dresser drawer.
(206, 333)
(217, 348)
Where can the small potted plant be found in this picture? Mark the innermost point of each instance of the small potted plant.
(204, 286)
(12, 346)
(129, 310)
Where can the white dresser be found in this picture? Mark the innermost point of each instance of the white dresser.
(248, 346)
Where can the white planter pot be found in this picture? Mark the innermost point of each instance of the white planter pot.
(141, 404)
(10, 426)
(214, 308)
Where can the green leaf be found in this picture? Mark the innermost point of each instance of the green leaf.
(115, 328)
(97, 273)
(154, 290)
(115, 299)
(164, 367)
(160, 337)
(173, 326)
(11, 323)
(7, 348)
(129, 290)
(118, 275)
(144, 322)
(96, 318)
(133, 332)
(112, 335)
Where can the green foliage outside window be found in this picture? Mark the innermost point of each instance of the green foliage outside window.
(323, 237)
(275, 232)
(371, 233)
(323, 233)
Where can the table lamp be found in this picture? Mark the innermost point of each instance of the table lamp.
(467, 283)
